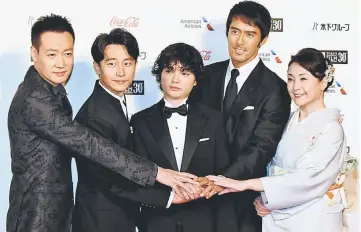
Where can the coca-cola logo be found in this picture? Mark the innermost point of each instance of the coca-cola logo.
(124, 22)
(206, 54)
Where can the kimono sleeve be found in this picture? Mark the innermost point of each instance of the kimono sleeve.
(313, 174)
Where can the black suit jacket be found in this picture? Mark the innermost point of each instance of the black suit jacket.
(42, 138)
(105, 201)
(152, 140)
(252, 135)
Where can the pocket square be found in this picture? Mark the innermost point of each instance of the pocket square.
(249, 108)
(204, 139)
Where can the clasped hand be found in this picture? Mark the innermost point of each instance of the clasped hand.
(204, 188)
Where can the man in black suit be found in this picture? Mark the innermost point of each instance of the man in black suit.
(254, 102)
(105, 202)
(180, 136)
(43, 135)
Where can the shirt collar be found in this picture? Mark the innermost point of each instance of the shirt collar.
(246, 69)
(167, 104)
(120, 98)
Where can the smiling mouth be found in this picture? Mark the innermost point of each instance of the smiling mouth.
(299, 95)
(239, 51)
(174, 88)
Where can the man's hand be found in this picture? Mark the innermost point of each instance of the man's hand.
(261, 209)
(209, 188)
(177, 180)
(180, 200)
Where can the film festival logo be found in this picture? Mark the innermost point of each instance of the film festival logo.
(136, 88)
(196, 23)
(331, 26)
(277, 25)
(129, 22)
(268, 56)
(336, 57)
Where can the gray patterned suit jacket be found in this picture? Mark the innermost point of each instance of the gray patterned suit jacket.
(43, 137)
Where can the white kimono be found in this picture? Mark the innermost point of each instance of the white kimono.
(309, 157)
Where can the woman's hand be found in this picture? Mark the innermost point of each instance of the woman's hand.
(260, 208)
(230, 185)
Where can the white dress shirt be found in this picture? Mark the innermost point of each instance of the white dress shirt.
(244, 72)
(177, 125)
(120, 98)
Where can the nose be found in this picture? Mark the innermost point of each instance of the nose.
(296, 85)
(176, 77)
(240, 39)
(120, 71)
(60, 62)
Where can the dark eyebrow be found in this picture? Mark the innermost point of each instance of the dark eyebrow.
(235, 28)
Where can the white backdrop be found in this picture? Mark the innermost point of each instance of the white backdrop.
(323, 24)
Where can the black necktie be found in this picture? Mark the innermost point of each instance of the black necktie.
(231, 91)
(181, 110)
(125, 106)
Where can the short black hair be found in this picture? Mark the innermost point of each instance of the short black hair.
(186, 55)
(313, 61)
(251, 13)
(50, 23)
(116, 36)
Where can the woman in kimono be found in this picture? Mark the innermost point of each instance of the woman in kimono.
(295, 196)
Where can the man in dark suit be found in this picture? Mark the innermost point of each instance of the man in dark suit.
(180, 136)
(105, 202)
(43, 135)
(254, 102)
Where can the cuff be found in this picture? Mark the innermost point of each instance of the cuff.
(171, 196)
(153, 175)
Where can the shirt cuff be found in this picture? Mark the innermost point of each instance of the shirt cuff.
(171, 196)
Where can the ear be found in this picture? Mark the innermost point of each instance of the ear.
(263, 42)
(324, 84)
(195, 83)
(96, 68)
(34, 54)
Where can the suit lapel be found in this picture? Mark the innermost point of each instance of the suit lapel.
(196, 121)
(102, 95)
(217, 80)
(159, 128)
(244, 98)
(111, 104)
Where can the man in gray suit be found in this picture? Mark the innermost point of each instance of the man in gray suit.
(43, 135)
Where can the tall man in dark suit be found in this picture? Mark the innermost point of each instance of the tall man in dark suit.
(43, 135)
(254, 102)
(105, 202)
(181, 136)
